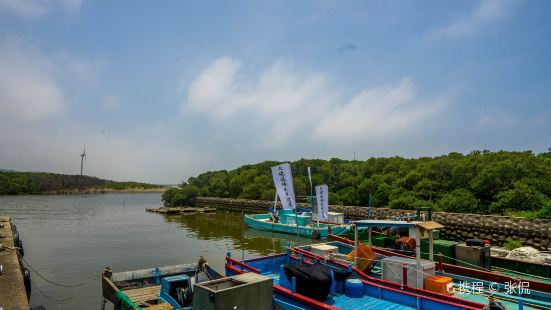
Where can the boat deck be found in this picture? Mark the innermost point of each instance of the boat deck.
(147, 297)
(365, 302)
(344, 302)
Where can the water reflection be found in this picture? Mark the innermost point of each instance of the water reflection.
(230, 226)
(71, 238)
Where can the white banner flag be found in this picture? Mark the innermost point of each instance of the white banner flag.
(322, 194)
(283, 180)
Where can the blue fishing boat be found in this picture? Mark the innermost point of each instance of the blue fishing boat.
(161, 288)
(291, 219)
(464, 285)
(286, 222)
(301, 284)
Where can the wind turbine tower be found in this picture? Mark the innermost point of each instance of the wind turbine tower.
(82, 156)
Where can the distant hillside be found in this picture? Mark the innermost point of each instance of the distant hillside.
(15, 183)
(485, 182)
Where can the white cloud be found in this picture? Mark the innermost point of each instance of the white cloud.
(111, 102)
(215, 91)
(497, 119)
(37, 96)
(36, 8)
(486, 12)
(286, 104)
(146, 153)
(79, 69)
(35, 85)
(28, 90)
(376, 113)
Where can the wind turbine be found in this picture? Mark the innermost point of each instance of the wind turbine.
(82, 156)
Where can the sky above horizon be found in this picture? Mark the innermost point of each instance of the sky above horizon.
(159, 92)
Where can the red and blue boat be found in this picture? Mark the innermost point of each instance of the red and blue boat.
(490, 283)
(300, 283)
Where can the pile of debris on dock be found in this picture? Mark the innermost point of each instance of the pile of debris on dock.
(180, 210)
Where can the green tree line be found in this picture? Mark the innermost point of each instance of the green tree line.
(130, 185)
(484, 182)
(16, 183)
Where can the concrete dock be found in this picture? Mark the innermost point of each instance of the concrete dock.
(12, 292)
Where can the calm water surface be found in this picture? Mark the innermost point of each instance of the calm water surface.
(70, 239)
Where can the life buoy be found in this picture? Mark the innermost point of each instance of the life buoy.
(316, 234)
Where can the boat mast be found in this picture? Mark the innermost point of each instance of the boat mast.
(275, 202)
(312, 197)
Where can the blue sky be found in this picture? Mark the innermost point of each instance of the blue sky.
(160, 92)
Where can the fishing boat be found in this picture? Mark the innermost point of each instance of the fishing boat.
(465, 285)
(451, 254)
(301, 284)
(289, 222)
(514, 292)
(162, 288)
(290, 219)
(457, 253)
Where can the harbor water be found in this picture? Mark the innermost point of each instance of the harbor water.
(70, 239)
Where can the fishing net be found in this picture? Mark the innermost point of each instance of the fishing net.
(122, 302)
(528, 254)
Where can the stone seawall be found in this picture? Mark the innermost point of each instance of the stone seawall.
(459, 226)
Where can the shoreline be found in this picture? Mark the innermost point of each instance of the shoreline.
(137, 190)
(96, 191)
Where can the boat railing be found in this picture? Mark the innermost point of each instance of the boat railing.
(314, 304)
(456, 269)
(232, 261)
(372, 280)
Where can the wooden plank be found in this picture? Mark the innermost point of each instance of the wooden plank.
(162, 306)
(430, 225)
(143, 295)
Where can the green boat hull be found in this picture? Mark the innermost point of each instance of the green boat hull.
(261, 221)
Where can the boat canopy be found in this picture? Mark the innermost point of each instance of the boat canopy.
(429, 225)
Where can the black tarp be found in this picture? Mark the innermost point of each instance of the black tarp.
(313, 281)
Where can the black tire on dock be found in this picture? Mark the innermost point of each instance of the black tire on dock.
(316, 234)
(27, 281)
(15, 236)
(20, 246)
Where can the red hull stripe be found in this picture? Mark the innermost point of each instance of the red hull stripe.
(389, 285)
(283, 291)
(464, 271)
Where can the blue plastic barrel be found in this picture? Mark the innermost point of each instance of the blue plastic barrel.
(354, 288)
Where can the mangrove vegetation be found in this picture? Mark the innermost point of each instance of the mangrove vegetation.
(484, 182)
